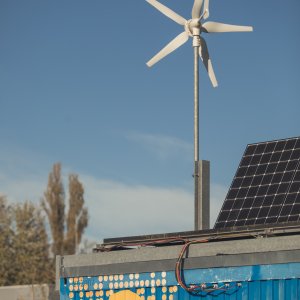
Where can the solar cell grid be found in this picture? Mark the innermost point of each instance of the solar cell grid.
(266, 187)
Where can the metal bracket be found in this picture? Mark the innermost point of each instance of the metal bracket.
(62, 268)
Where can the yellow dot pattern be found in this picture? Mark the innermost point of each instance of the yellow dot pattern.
(147, 286)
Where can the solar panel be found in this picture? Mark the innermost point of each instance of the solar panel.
(266, 186)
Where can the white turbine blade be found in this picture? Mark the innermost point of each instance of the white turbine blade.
(220, 27)
(203, 52)
(173, 45)
(196, 11)
(167, 12)
(206, 9)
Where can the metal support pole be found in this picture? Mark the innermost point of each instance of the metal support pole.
(196, 129)
(202, 205)
(201, 168)
(196, 103)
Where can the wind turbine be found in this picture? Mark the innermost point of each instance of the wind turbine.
(194, 28)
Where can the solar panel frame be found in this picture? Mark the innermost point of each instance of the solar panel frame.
(266, 186)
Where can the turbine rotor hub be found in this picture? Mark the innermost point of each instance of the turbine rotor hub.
(192, 27)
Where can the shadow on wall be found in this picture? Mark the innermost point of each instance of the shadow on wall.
(28, 292)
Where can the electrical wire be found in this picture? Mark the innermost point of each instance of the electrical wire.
(157, 242)
(195, 289)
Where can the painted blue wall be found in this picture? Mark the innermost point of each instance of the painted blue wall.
(258, 282)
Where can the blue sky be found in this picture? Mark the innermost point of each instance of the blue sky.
(74, 88)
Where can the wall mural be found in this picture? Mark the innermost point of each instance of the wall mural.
(144, 286)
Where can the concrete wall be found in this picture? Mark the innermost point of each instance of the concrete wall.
(28, 292)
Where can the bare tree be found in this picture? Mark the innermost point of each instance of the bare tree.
(24, 248)
(6, 237)
(54, 205)
(77, 219)
(30, 244)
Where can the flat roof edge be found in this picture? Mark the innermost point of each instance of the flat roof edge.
(212, 234)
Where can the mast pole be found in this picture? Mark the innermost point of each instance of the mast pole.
(196, 45)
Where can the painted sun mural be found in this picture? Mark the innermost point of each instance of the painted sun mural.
(144, 286)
